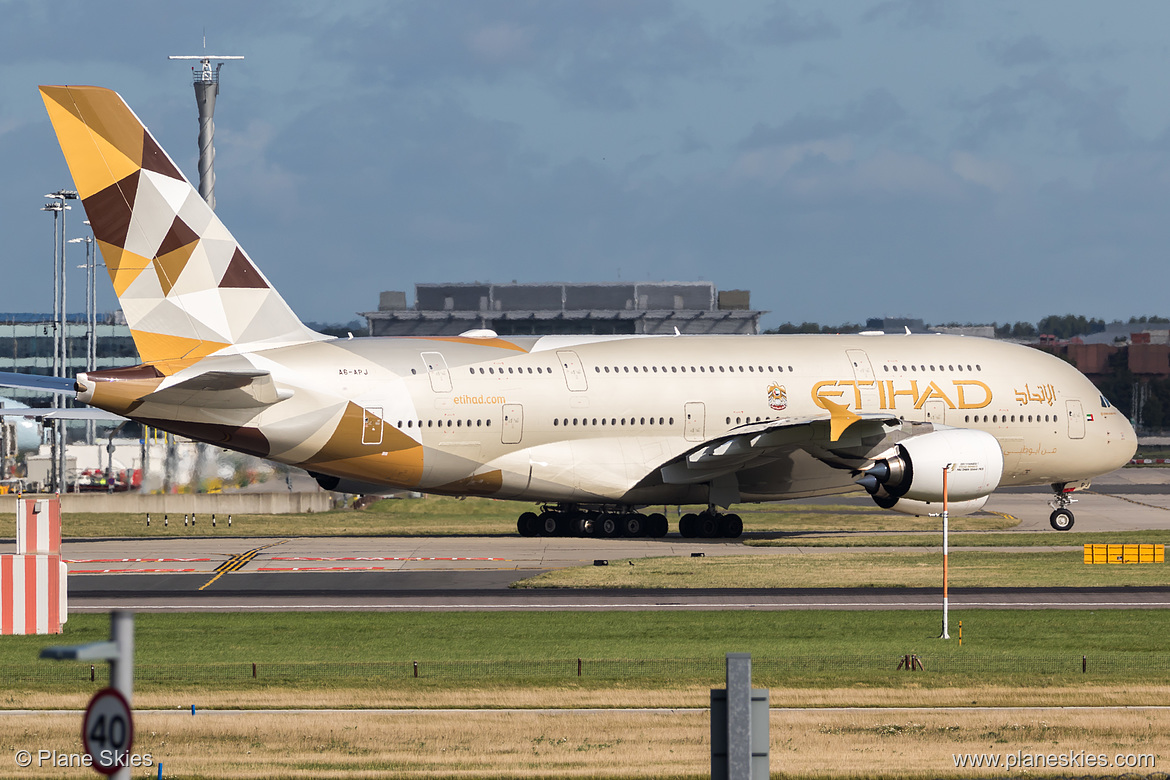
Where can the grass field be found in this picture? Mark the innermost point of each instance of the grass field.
(887, 569)
(964, 539)
(441, 516)
(871, 742)
(804, 744)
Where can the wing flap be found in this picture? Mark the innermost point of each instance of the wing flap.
(754, 444)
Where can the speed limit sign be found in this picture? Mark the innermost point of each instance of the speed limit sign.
(107, 731)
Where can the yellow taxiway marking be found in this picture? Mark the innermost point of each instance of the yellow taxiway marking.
(237, 562)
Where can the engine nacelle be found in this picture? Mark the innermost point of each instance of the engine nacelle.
(340, 485)
(913, 469)
(909, 506)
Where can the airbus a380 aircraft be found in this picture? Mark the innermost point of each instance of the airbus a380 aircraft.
(591, 428)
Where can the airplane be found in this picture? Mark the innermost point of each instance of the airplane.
(591, 429)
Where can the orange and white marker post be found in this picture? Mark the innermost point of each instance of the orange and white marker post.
(33, 589)
(946, 539)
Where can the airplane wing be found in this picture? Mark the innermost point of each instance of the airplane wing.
(49, 384)
(222, 390)
(840, 441)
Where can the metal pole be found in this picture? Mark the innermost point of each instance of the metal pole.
(63, 485)
(122, 667)
(946, 539)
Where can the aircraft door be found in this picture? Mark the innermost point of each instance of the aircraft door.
(694, 422)
(372, 425)
(936, 411)
(437, 370)
(1076, 419)
(867, 390)
(513, 428)
(574, 371)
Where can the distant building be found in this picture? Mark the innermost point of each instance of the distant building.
(565, 309)
(895, 324)
(26, 347)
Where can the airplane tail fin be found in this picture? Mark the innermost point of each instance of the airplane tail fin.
(186, 286)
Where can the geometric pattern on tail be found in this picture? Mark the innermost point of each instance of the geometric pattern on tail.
(186, 286)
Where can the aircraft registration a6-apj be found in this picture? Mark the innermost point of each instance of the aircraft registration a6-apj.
(589, 428)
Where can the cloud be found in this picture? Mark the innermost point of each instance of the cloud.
(782, 26)
(1047, 106)
(876, 112)
(911, 14)
(1016, 52)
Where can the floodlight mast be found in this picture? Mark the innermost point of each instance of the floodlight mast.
(206, 80)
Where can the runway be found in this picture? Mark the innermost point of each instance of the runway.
(475, 573)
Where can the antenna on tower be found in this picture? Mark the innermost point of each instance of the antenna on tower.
(206, 82)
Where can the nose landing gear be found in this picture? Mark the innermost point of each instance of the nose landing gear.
(1061, 518)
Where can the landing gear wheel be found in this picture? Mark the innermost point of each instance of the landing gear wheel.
(730, 526)
(547, 524)
(633, 524)
(611, 525)
(708, 525)
(657, 525)
(1061, 519)
(528, 524)
(585, 524)
(688, 526)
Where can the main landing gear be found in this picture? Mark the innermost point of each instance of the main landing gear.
(1061, 518)
(571, 520)
(710, 525)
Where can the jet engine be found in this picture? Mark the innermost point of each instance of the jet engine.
(910, 475)
(909, 506)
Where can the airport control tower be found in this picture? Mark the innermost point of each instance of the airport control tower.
(206, 89)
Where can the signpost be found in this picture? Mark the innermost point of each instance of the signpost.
(107, 730)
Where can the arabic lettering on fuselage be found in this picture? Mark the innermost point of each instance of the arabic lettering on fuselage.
(959, 393)
(1044, 394)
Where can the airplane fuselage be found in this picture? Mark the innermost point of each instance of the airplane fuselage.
(592, 419)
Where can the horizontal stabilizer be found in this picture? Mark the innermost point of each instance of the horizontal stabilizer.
(222, 390)
(47, 384)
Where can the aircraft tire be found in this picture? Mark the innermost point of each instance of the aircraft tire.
(687, 526)
(1061, 520)
(547, 524)
(527, 524)
(585, 524)
(633, 524)
(731, 526)
(657, 525)
(611, 525)
(708, 526)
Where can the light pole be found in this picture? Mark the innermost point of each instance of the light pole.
(58, 206)
(90, 316)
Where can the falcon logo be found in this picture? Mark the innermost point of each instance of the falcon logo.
(777, 397)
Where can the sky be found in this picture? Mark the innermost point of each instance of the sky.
(958, 162)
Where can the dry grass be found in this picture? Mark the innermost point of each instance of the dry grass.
(907, 694)
(968, 569)
(804, 743)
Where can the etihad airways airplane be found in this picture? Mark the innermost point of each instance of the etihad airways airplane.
(589, 428)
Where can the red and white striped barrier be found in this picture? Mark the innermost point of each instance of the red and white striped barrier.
(38, 526)
(33, 594)
(33, 584)
(1149, 461)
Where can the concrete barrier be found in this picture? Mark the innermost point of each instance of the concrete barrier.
(202, 504)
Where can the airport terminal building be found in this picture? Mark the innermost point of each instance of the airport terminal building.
(611, 308)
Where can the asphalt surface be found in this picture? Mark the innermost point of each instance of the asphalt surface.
(475, 573)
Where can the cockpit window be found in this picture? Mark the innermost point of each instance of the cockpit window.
(1105, 403)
